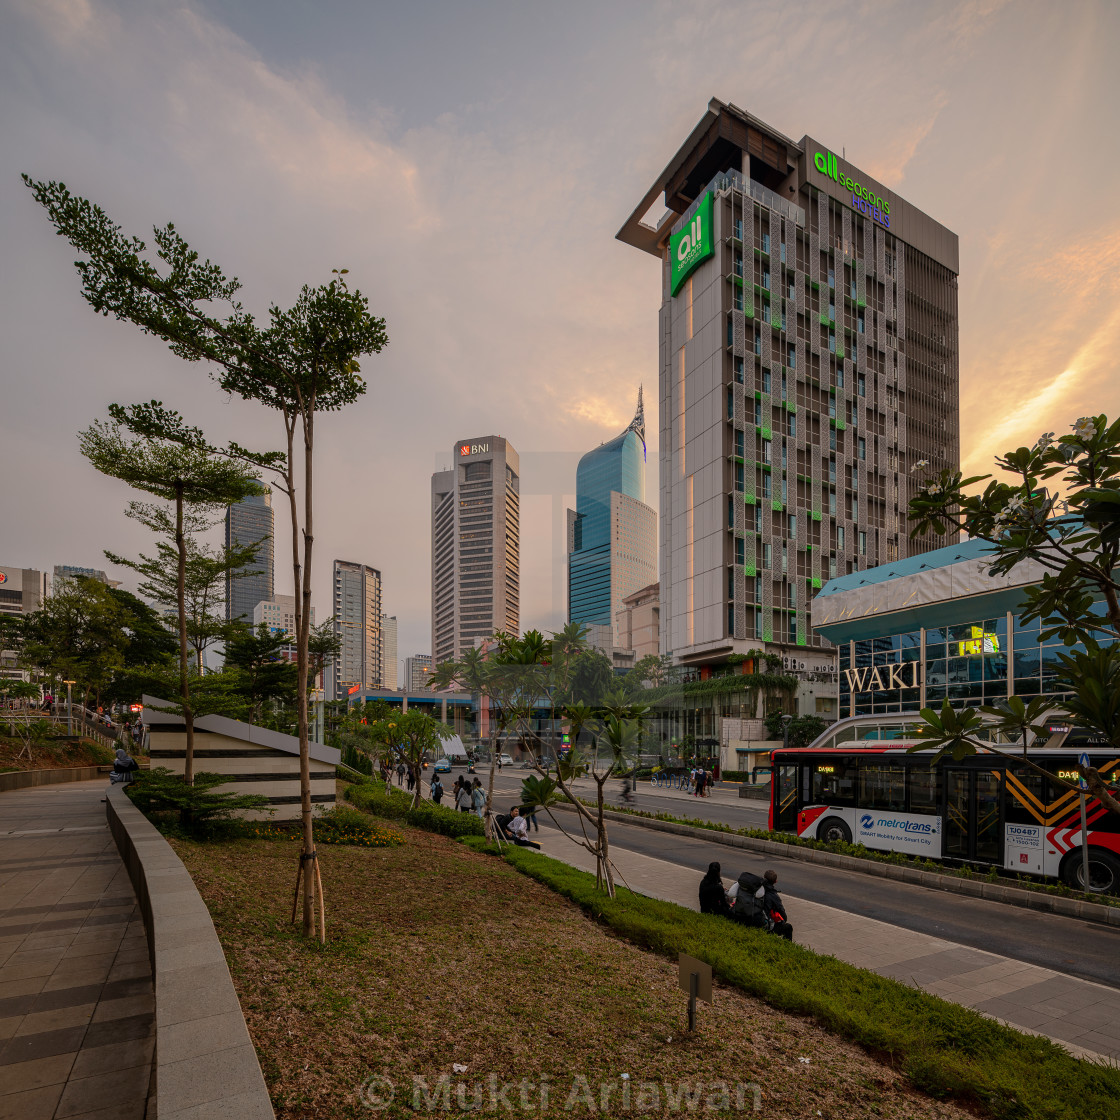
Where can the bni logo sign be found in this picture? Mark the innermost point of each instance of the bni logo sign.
(691, 245)
(474, 448)
(3, 578)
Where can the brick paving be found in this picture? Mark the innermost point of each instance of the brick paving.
(1080, 1015)
(76, 1003)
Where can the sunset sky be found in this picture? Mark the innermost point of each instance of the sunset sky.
(470, 165)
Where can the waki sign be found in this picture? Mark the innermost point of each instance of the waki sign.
(882, 678)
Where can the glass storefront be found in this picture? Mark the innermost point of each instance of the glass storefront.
(975, 663)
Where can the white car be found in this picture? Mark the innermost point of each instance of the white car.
(505, 760)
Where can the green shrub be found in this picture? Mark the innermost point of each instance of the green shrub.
(159, 790)
(945, 1050)
(394, 805)
(344, 825)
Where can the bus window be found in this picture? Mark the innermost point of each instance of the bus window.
(785, 799)
(924, 792)
(834, 782)
(1025, 802)
(882, 786)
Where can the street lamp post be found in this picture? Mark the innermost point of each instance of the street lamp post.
(69, 711)
(786, 721)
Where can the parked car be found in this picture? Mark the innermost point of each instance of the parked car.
(442, 766)
(506, 760)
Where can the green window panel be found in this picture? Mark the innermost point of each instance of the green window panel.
(815, 582)
(840, 425)
(776, 506)
(749, 570)
(839, 351)
(815, 515)
(825, 321)
(801, 640)
(861, 303)
(738, 280)
(749, 499)
(767, 433)
(790, 406)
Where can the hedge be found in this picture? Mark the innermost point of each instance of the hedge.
(394, 805)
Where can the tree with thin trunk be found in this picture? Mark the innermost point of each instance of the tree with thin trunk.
(190, 478)
(207, 574)
(304, 361)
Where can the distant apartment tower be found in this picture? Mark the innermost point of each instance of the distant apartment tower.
(476, 546)
(612, 533)
(388, 651)
(417, 670)
(637, 625)
(809, 359)
(357, 625)
(248, 522)
(279, 615)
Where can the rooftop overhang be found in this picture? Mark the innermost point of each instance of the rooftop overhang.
(717, 143)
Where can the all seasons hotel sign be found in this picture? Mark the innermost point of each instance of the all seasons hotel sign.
(864, 199)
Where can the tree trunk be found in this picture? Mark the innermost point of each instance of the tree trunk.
(304, 622)
(184, 681)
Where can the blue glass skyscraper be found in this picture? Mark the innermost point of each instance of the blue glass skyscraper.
(611, 532)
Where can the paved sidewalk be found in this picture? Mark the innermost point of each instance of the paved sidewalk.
(1080, 1015)
(76, 1002)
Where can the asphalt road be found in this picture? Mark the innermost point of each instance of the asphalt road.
(1085, 949)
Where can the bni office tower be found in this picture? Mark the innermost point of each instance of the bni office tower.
(612, 533)
(476, 546)
(808, 359)
(248, 522)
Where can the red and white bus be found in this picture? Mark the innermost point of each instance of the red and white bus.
(989, 810)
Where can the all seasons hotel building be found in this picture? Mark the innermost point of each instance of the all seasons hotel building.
(808, 357)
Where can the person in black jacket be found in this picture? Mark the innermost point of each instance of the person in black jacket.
(774, 906)
(713, 899)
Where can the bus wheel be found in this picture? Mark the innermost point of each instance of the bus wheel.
(832, 829)
(1104, 872)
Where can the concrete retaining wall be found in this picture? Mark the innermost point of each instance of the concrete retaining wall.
(22, 779)
(977, 888)
(205, 1065)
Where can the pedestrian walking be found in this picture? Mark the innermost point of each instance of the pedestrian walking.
(478, 798)
(400, 773)
(436, 789)
(410, 779)
(463, 800)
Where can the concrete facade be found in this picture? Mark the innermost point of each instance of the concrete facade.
(417, 670)
(476, 546)
(357, 624)
(257, 760)
(389, 676)
(808, 358)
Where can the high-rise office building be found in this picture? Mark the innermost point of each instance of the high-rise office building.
(612, 533)
(476, 546)
(388, 651)
(249, 522)
(417, 670)
(808, 349)
(357, 624)
(22, 590)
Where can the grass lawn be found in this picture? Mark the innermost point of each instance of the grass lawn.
(438, 954)
(50, 754)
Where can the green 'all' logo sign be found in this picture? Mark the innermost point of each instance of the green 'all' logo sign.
(691, 245)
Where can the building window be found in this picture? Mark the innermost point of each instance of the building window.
(782, 254)
(730, 511)
(739, 228)
(832, 439)
(766, 243)
(738, 302)
(766, 556)
(832, 503)
(832, 567)
(839, 538)
(766, 279)
(758, 519)
(738, 264)
(766, 381)
(832, 312)
(792, 293)
(730, 405)
(783, 491)
(792, 423)
(852, 290)
(832, 406)
(793, 628)
(739, 439)
(739, 483)
(783, 454)
(793, 524)
(861, 385)
(739, 371)
(740, 557)
(831, 278)
(832, 342)
(791, 358)
(862, 543)
(862, 447)
(832, 471)
(758, 414)
(792, 598)
(766, 484)
(766, 451)
(758, 344)
(766, 313)
(859, 323)
(840, 375)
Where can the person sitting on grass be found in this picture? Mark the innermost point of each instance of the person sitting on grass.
(713, 898)
(518, 830)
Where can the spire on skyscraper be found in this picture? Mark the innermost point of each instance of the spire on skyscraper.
(638, 424)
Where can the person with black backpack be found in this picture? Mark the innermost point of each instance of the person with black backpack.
(746, 897)
(773, 907)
